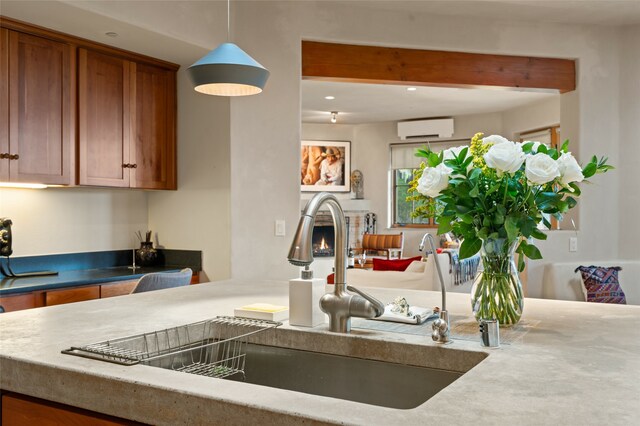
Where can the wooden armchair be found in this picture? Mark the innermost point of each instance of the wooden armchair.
(389, 245)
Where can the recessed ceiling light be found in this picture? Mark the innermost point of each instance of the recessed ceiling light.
(329, 98)
(411, 89)
(111, 34)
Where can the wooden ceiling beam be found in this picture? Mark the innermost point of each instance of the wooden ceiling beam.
(387, 65)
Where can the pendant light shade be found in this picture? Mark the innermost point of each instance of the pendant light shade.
(228, 71)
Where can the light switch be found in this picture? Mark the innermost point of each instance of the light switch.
(573, 244)
(280, 228)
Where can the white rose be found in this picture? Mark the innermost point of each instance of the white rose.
(570, 170)
(433, 180)
(505, 157)
(495, 139)
(541, 169)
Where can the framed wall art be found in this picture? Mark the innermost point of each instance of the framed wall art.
(325, 166)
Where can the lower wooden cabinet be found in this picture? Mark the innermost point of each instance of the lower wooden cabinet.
(36, 299)
(21, 410)
(117, 289)
(80, 294)
(20, 302)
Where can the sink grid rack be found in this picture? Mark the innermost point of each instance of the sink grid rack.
(213, 348)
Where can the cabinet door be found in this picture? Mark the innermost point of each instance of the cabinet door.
(104, 125)
(4, 105)
(153, 150)
(80, 294)
(41, 115)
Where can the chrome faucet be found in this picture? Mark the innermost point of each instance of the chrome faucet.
(440, 326)
(339, 305)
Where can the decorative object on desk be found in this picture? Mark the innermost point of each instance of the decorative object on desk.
(357, 184)
(146, 255)
(494, 194)
(325, 166)
(601, 285)
(6, 239)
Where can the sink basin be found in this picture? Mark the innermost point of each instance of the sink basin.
(365, 380)
(362, 380)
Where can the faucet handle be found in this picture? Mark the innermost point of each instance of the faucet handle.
(377, 305)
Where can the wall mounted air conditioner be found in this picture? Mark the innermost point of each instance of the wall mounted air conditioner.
(438, 127)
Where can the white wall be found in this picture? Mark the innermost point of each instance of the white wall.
(69, 220)
(537, 115)
(628, 167)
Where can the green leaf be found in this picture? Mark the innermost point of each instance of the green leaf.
(565, 146)
(474, 174)
(590, 170)
(433, 159)
(422, 153)
(526, 147)
(521, 264)
(511, 226)
(474, 192)
(538, 234)
(470, 246)
(531, 251)
(542, 148)
(444, 226)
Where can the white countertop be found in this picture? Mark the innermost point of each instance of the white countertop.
(579, 364)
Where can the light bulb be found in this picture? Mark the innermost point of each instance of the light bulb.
(334, 116)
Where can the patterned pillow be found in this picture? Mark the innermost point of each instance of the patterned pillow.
(602, 284)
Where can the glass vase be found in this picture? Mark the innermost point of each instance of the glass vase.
(497, 291)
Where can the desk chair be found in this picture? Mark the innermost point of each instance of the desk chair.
(162, 280)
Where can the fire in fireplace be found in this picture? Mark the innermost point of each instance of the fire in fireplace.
(323, 239)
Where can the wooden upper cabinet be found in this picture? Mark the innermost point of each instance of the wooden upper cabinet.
(41, 109)
(153, 150)
(4, 105)
(104, 119)
(122, 104)
(126, 123)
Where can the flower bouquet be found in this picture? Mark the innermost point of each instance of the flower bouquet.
(494, 194)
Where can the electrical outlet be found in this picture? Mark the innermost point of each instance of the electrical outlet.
(280, 228)
(573, 244)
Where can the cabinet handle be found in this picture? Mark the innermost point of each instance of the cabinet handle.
(4, 155)
(135, 166)
(14, 157)
(126, 165)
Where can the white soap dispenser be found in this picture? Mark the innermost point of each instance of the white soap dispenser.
(304, 300)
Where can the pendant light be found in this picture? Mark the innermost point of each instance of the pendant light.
(228, 71)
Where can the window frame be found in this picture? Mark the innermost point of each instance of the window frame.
(394, 207)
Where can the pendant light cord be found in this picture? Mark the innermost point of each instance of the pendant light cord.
(228, 20)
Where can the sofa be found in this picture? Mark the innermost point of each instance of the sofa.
(560, 281)
(425, 278)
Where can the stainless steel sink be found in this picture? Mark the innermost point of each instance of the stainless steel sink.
(363, 368)
(385, 384)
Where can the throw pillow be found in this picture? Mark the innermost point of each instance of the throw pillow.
(393, 265)
(416, 266)
(601, 284)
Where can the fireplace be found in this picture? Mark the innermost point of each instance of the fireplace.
(323, 239)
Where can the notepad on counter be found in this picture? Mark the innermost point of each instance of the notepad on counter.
(263, 311)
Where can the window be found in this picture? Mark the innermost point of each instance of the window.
(402, 207)
(403, 163)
